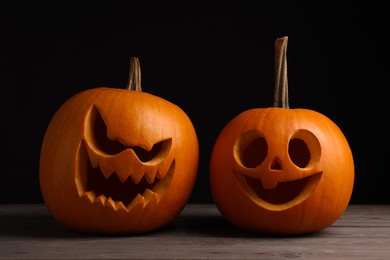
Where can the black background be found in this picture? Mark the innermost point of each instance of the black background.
(213, 60)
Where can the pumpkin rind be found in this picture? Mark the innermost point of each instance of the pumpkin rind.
(280, 170)
(131, 120)
(316, 210)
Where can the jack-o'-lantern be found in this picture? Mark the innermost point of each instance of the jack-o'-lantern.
(118, 160)
(279, 170)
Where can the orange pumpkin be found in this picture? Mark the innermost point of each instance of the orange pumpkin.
(279, 170)
(118, 160)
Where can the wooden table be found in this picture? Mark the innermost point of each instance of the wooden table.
(199, 232)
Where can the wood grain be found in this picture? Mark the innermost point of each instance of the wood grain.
(199, 232)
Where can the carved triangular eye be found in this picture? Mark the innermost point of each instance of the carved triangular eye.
(99, 134)
(112, 147)
(159, 150)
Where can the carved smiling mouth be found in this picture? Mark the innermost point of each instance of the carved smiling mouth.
(284, 195)
(123, 189)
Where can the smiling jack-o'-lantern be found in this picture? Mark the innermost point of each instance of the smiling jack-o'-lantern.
(118, 160)
(280, 170)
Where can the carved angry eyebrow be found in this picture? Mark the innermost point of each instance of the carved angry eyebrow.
(112, 147)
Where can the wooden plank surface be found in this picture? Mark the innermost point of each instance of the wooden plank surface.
(199, 232)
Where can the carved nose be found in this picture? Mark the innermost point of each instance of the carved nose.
(276, 164)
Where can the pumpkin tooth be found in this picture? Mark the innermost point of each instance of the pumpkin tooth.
(163, 169)
(101, 199)
(138, 201)
(269, 183)
(106, 170)
(123, 178)
(151, 175)
(124, 171)
(90, 195)
(120, 206)
(154, 200)
(110, 203)
(136, 177)
(148, 195)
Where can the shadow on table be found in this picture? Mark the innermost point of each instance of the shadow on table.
(218, 226)
(37, 225)
(41, 224)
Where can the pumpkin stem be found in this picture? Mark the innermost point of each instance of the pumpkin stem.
(281, 85)
(134, 75)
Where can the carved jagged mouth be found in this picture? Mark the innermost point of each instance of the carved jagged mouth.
(284, 195)
(119, 192)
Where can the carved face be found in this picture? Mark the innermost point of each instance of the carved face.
(121, 176)
(115, 161)
(281, 171)
(283, 175)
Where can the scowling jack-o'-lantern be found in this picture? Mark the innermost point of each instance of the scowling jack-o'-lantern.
(280, 170)
(118, 160)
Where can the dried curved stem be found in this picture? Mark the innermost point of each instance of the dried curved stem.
(134, 75)
(281, 84)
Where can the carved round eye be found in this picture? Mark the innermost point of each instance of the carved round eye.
(299, 152)
(251, 149)
(100, 138)
(304, 149)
